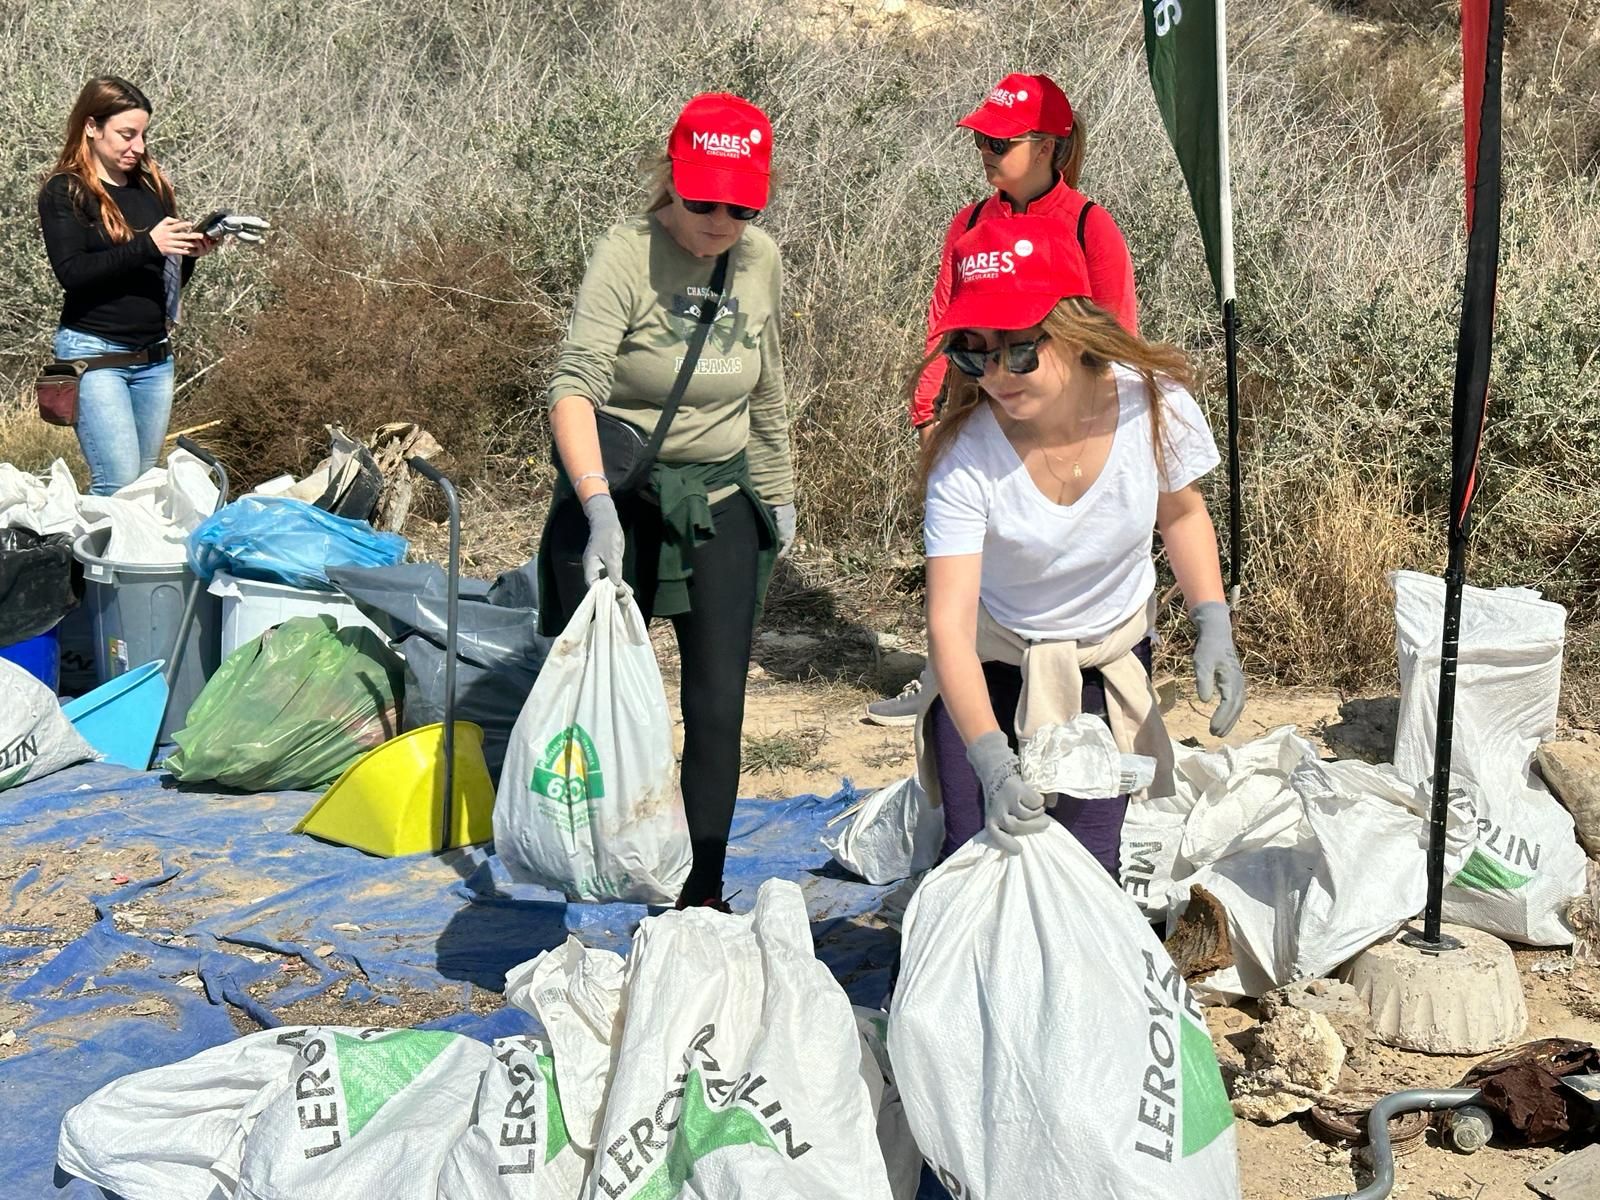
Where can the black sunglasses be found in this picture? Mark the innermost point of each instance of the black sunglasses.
(704, 208)
(999, 146)
(1022, 358)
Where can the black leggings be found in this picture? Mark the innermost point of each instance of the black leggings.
(713, 651)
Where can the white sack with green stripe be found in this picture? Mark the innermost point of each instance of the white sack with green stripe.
(739, 1075)
(373, 1112)
(1042, 1042)
(588, 802)
(516, 1145)
(1527, 863)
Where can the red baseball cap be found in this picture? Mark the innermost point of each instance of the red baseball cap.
(721, 150)
(1009, 274)
(1021, 104)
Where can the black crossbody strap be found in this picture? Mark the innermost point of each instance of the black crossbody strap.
(1083, 223)
(709, 311)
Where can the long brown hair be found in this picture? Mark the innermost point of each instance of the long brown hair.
(1079, 323)
(101, 99)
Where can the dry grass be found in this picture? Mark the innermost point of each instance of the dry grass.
(30, 444)
(490, 123)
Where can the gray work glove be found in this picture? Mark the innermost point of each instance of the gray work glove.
(1012, 808)
(784, 515)
(238, 225)
(604, 550)
(1216, 665)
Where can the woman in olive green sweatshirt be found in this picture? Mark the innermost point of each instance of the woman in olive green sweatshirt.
(696, 542)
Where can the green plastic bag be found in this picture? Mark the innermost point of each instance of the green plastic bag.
(291, 709)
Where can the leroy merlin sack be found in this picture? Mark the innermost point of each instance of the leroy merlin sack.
(739, 1073)
(1042, 1041)
(516, 1147)
(1527, 862)
(588, 801)
(368, 1113)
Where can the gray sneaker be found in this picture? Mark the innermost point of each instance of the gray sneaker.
(898, 710)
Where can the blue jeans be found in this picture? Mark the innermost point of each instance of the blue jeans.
(122, 411)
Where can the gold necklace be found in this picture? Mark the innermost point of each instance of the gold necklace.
(1083, 445)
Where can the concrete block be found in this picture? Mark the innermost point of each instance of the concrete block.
(1465, 1001)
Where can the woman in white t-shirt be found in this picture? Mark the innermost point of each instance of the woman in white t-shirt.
(1066, 443)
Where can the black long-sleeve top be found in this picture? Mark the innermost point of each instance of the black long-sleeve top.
(115, 290)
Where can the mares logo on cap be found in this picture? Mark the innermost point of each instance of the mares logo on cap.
(991, 264)
(1006, 98)
(726, 145)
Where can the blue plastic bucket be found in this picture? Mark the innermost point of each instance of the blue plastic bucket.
(39, 656)
(120, 719)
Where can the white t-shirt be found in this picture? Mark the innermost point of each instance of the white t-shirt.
(1073, 571)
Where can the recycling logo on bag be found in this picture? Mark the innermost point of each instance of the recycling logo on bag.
(568, 779)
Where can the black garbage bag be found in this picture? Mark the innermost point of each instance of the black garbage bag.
(35, 583)
(498, 648)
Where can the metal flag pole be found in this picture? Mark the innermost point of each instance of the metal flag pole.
(1468, 405)
(1230, 324)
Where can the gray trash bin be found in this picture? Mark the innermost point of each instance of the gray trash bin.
(136, 609)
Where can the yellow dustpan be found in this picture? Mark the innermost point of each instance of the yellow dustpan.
(388, 801)
(426, 790)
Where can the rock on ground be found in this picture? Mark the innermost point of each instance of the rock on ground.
(1572, 769)
(1296, 1057)
(1339, 1002)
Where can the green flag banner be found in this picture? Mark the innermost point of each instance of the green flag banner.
(1180, 48)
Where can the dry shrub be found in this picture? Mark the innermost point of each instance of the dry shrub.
(31, 445)
(1319, 608)
(438, 331)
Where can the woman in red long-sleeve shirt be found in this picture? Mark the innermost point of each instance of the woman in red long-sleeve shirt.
(1032, 146)
(1032, 150)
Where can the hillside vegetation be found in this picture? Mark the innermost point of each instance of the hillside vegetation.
(436, 169)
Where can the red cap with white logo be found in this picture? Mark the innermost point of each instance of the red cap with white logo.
(721, 150)
(1021, 104)
(1009, 274)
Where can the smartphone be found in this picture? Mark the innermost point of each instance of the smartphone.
(211, 220)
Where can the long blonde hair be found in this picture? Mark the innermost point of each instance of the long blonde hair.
(1067, 157)
(1100, 341)
(101, 99)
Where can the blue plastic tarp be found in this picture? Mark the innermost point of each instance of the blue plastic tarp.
(192, 948)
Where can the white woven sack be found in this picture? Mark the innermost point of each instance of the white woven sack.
(1527, 863)
(516, 1146)
(36, 739)
(739, 1073)
(1042, 1041)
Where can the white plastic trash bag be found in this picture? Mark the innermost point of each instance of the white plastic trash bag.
(739, 1072)
(1527, 863)
(36, 739)
(1152, 831)
(1081, 759)
(901, 1157)
(588, 801)
(1043, 1042)
(892, 834)
(516, 1146)
(576, 993)
(176, 1132)
(368, 1113)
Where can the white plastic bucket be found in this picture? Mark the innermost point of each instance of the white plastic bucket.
(250, 607)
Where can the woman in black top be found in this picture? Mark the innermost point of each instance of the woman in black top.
(117, 246)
